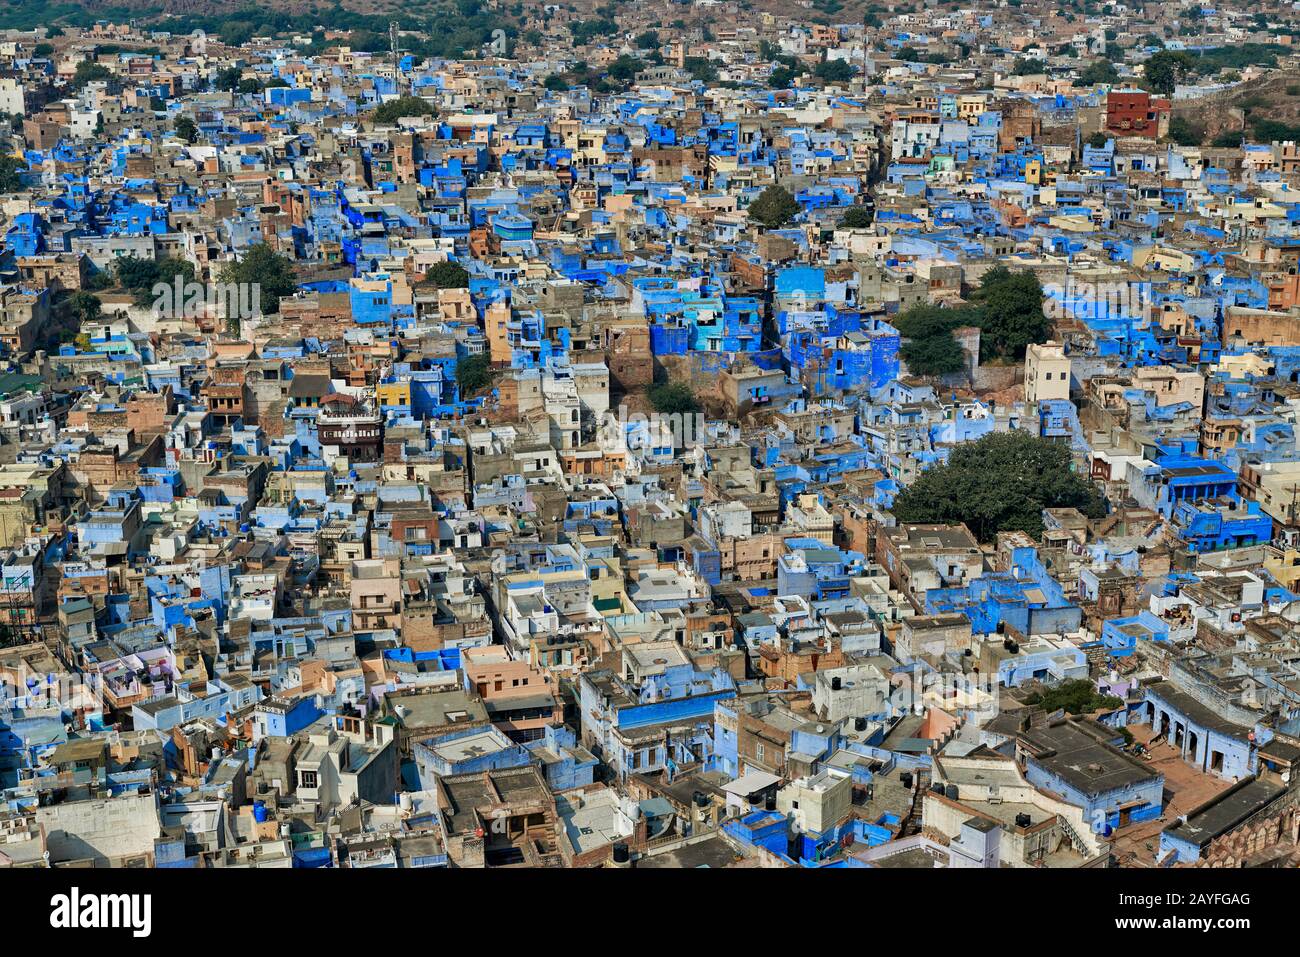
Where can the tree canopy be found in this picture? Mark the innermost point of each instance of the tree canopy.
(673, 397)
(774, 207)
(1008, 309)
(1000, 483)
(267, 269)
(1161, 72)
(1077, 696)
(11, 169)
(1010, 306)
(857, 217)
(447, 275)
(394, 110)
(473, 374)
(929, 348)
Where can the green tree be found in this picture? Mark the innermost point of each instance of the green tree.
(936, 356)
(1099, 71)
(186, 129)
(85, 306)
(774, 207)
(1076, 696)
(781, 78)
(857, 217)
(394, 110)
(1162, 70)
(135, 273)
(930, 348)
(834, 71)
(648, 40)
(473, 374)
(625, 68)
(556, 83)
(1028, 66)
(447, 275)
(1011, 313)
(11, 170)
(701, 68)
(227, 79)
(1000, 483)
(263, 267)
(673, 398)
(89, 71)
(1184, 132)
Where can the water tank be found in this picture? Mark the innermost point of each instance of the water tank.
(1023, 820)
(700, 798)
(622, 857)
(950, 792)
(1013, 647)
(859, 724)
(906, 779)
(406, 801)
(769, 803)
(259, 812)
(835, 683)
(937, 787)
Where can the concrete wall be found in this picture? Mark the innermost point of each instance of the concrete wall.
(102, 830)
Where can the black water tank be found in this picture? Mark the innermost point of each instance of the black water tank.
(859, 724)
(1023, 820)
(700, 798)
(835, 683)
(769, 802)
(937, 787)
(1013, 647)
(906, 779)
(621, 855)
(950, 791)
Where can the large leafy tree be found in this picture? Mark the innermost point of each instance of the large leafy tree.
(11, 174)
(268, 270)
(394, 110)
(1011, 313)
(673, 398)
(447, 275)
(1161, 72)
(930, 348)
(473, 374)
(774, 207)
(937, 356)
(1000, 483)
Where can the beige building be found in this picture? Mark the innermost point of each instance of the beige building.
(816, 803)
(1047, 373)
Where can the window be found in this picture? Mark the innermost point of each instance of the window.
(307, 779)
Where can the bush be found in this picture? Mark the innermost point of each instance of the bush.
(1077, 696)
(673, 398)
